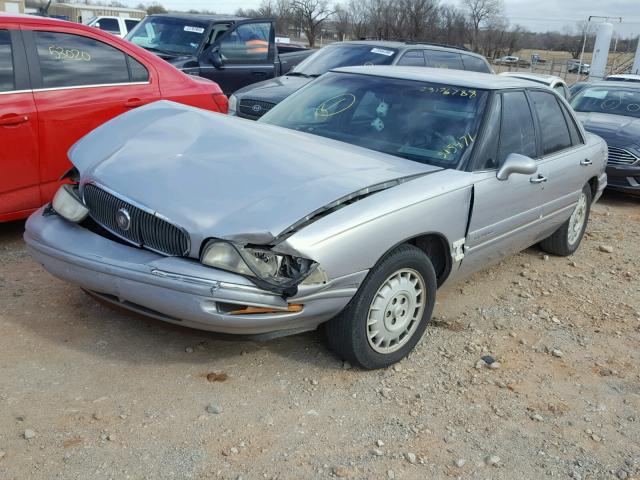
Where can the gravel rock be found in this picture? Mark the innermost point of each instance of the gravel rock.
(29, 434)
(391, 475)
(606, 248)
(410, 457)
(460, 462)
(492, 460)
(557, 353)
(189, 349)
(213, 409)
(622, 474)
(380, 443)
(377, 452)
(341, 472)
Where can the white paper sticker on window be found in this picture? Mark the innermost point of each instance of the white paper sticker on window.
(187, 28)
(382, 51)
(599, 94)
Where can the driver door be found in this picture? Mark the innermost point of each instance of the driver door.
(506, 213)
(247, 54)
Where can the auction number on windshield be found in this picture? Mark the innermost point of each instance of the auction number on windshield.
(336, 105)
(60, 53)
(454, 147)
(451, 91)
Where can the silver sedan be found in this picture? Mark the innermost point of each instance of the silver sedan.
(348, 204)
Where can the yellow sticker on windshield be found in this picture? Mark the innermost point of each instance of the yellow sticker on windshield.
(454, 147)
(335, 105)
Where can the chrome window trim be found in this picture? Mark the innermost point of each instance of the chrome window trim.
(143, 208)
(50, 89)
(9, 92)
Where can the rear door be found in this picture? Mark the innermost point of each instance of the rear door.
(79, 82)
(248, 55)
(505, 212)
(19, 174)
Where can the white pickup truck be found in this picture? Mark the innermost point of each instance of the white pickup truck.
(115, 25)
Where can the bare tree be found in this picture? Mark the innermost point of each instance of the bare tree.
(311, 14)
(359, 17)
(480, 12)
(342, 21)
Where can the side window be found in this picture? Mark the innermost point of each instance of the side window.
(249, 42)
(109, 25)
(130, 23)
(553, 127)
(7, 82)
(139, 72)
(475, 64)
(413, 58)
(487, 158)
(576, 136)
(72, 60)
(443, 59)
(216, 32)
(517, 134)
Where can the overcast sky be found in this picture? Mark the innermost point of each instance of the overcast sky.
(536, 15)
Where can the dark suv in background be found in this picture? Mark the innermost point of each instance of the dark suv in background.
(255, 100)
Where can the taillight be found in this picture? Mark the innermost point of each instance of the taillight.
(221, 100)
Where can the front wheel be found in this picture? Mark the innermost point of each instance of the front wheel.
(386, 318)
(567, 238)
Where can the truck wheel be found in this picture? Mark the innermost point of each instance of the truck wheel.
(388, 315)
(567, 238)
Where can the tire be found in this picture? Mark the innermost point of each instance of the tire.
(387, 302)
(567, 238)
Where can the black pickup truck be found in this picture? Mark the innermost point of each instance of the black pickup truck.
(232, 51)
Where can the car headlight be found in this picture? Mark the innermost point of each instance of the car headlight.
(266, 268)
(67, 204)
(233, 104)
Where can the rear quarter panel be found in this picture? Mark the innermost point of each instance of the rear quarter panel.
(355, 237)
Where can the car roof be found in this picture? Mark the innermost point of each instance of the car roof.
(201, 17)
(613, 83)
(534, 77)
(410, 45)
(631, 76)
(37, 20)
(460, 78)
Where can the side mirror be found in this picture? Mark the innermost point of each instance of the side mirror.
(516, 163)
(216, 58)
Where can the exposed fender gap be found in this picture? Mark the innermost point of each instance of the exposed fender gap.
(470, 213)
(343, 202)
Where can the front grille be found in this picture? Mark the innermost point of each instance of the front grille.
(620, 156)
(146, 230)
(254, 108)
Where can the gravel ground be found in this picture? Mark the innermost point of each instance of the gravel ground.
(89, 392)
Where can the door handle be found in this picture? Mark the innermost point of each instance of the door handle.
(133, 103)
(538, 179)
(13, 119)
(586, 162)
(259, 74)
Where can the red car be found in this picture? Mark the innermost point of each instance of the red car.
(58, 81)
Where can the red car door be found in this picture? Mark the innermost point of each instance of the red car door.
(19, 175)
(80, 80)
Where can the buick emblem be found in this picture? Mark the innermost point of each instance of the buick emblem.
(256, 108)
(123, 219)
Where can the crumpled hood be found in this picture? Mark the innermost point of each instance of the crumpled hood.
(616, 130)
(273, 90)
(225, 177)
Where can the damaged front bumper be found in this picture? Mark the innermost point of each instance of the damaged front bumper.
(178, 290)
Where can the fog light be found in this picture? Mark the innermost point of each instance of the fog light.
(67, 204)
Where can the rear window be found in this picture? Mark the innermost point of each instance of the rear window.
(108, 25)
(443, 59)
(6, 63)
(475, 64)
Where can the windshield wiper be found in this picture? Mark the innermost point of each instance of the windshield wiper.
(164, 52)
(298, 74)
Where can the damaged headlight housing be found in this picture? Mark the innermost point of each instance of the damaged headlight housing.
(67, 204)
(266, 268)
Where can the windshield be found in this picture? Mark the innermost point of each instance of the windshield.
(345, 55)
(614, 100)
(173, 36)
(425, 122)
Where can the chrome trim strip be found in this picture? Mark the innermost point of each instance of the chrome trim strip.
(141, 207)
(214, 284)
(52, 89)
(10, 92)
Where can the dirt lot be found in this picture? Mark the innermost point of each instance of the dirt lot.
(104, 395)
